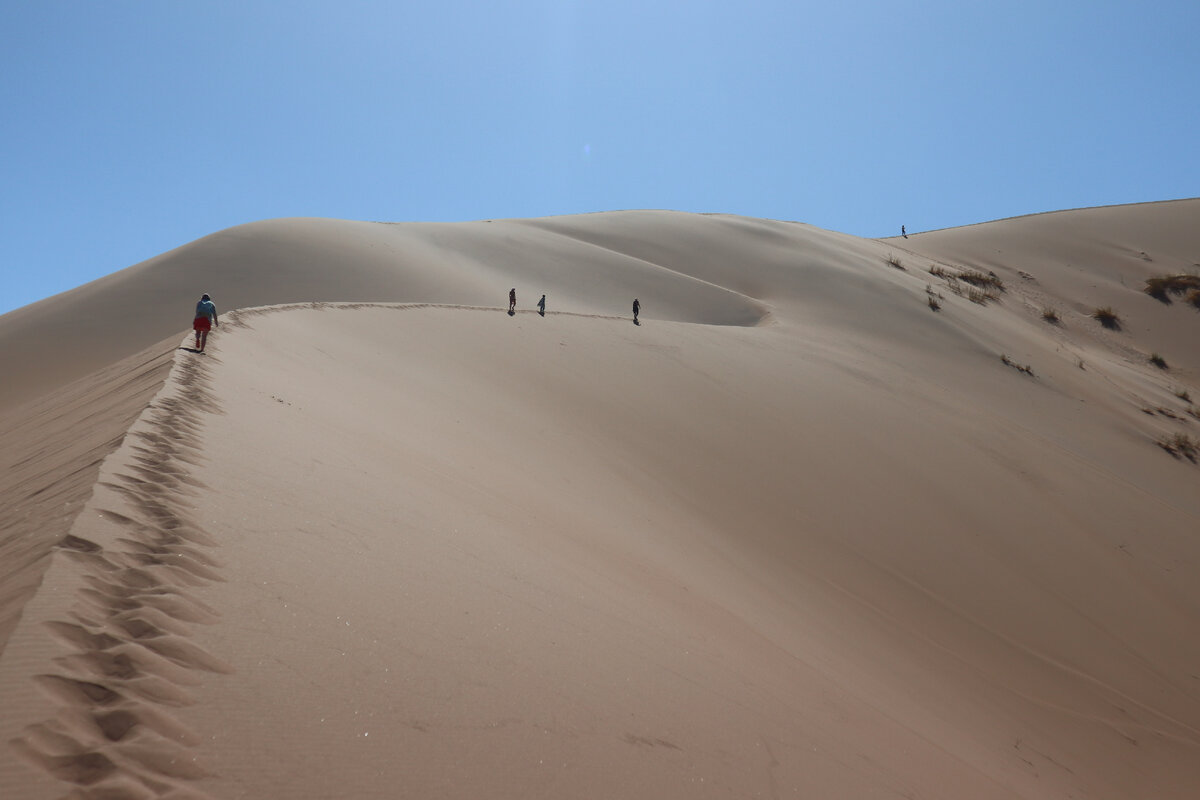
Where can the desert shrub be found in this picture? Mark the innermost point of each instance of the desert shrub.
(1158, 361)
(893, 260)
(1107, 317)
(1183, 395)
(1193, 299)
(1162, 287)
(934, 299)
(1028, 370)
(1180, 445)
(1050, 315)
(985, 280)
(981, 296)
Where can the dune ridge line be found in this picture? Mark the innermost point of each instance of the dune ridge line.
(129, 629)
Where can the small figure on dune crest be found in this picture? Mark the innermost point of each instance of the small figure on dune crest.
(512, 301)
(637, 308)
(542, 306)
(903, 232)
(206, 318)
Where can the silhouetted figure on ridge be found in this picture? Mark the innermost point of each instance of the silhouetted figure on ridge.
(637, 308)
(512, 301)
(542, 306)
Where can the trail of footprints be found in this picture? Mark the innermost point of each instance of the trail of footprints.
(132, 659)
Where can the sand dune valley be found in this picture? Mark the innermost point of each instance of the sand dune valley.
(841, 518)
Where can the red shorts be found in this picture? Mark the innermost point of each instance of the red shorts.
(202, 324)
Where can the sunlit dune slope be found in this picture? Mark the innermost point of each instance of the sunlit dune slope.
(303, 260)
(824, 524)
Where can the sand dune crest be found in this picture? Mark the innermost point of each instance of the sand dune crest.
(800, 532)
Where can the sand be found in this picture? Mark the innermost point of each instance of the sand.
(796, 534)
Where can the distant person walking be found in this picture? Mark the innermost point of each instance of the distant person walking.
(512, 301)
(637, 308)
(903, 232)
(206, 318)
(542, 306)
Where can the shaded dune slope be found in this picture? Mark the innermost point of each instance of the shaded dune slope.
(849, 552)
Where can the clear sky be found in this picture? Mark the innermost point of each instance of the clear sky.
(130, 128)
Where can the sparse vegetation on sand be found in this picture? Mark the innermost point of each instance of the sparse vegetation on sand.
(1180, 445)
(984, 280)
(893, 260)
(983, 287)
(1028, 370)
(988, 280)
(1164, 411)
(1193, 299)
(1158, 361)
(1162, 287)
(981, 296)
(1107, 317)
(1050, 315)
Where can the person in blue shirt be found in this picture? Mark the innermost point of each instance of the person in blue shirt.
(206, 318)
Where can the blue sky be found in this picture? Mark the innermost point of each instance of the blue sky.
(130, 128)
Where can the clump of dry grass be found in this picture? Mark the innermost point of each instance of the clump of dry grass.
(988, 280)
(1180, 445)
(1183, 395)
(1158, 361)
(935, 299)
(893, 260)
(1193, 299)
(1050, 315)
(982, 287)
(1028, 370)
(1107, 317)
(981, 296)
(984, 280)
(1162, 287)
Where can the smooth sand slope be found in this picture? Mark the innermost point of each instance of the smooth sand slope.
(797, 534)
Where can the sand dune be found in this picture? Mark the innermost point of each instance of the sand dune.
(797, 534)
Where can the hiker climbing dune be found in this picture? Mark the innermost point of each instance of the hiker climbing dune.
(206, 318)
